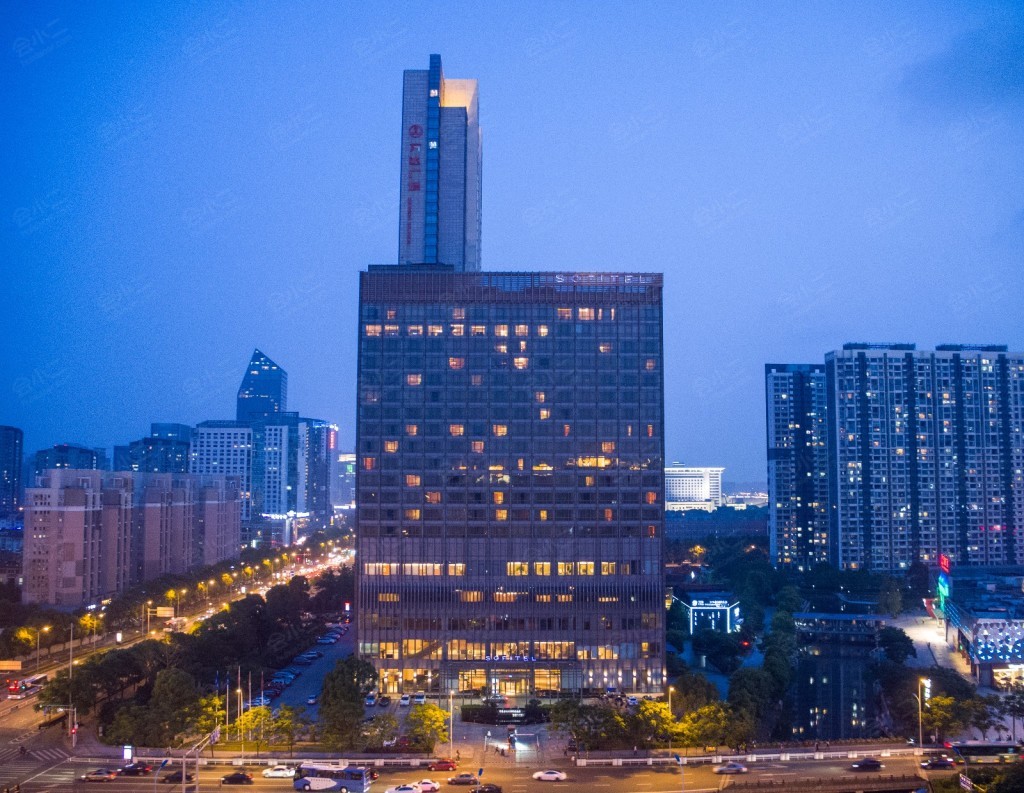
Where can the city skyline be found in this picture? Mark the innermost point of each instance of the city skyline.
(757, 146)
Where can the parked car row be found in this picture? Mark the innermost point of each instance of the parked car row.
(383, 700)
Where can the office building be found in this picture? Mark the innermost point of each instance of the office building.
(165, 450)
(66, 455)
(798, 518)
(91, 534)
(510, 480)
(12, 446)
(440, 190)
(693, 488)
(264, 389)
(924, 457)
(225, 447)
(343, 480)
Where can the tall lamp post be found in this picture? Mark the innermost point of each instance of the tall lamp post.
(922, 683)
(670, 718)
(39, 632)
(451, 725)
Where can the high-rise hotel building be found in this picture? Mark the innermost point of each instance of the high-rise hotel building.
(510, 480)
(925, 455)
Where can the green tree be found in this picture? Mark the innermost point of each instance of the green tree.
(256, 726)
(789, 599)
(982, 713)
(1010, 780)
(896, 645)
(890, 598)
(382, 727)
(341, 701)
(173, 705)
(289, 723)
(943, 716)
(427, 725)
(706, 726)
(1013, 706)
(652, 723)
(692, 691)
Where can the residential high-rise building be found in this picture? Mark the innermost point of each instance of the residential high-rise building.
(264, 389)
(440, 191)
(798, 518)
(923, 457)
(693, 488)
(225, 447)
(90, 534)
(66, 455)
(12, 446)
(165, 450)
(510, 480)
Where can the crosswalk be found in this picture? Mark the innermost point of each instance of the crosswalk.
(11, 757)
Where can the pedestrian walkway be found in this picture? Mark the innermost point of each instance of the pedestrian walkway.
(33, 756)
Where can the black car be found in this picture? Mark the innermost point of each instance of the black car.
(938, 762)
(175, 777)
(383, 701)
(136, 769)
(867, 764)
(237, 778)
(487, 787)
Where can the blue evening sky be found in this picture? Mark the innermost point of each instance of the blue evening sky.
(184, 181)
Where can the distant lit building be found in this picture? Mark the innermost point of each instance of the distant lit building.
(65, 455)
(343, 480)
(693, 488)
(264, 389)
(716, 611)
(12, 446)
(163, 451)
(225, 447)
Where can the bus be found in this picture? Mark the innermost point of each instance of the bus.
(333, 776)
(985, 752)
(26, 687)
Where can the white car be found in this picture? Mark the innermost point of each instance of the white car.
(279, 772)
(550, 776)
(429, 785)
(408, 787)
(420, 698)
(731, 768)
(405, 700)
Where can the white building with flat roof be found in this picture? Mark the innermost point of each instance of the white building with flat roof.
(693, 488)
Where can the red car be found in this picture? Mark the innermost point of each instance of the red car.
(443, 765)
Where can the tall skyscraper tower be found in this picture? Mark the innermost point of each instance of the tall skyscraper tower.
(510, 480)
(797, 464)
(440, 190)
(264, 389)
(12, 445)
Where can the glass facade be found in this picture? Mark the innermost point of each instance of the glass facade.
(510, 480)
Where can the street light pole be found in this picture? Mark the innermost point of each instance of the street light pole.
(670, 719)
(451, 726)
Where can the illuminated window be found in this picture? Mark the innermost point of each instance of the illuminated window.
(650, 497)
(585, 568)
(476, 379)
(604, 347)
(498, 496)
(586, 314)
(477, 446)
(432, 497)
(421, 568)
(565, 568)
(499, 429)
(522, 330)
(458, 330)
(413, 514)
(456, 568)
(391, 446)
(522, 346)
(373, 330)
(544, 414)
(520, 362)
(564, 598)
(517, 568)
(391, 330)
(608, 447)
(542, 598)
(478, 330)
(539, 396)
(456, 362)
(411, 429)
(650, 430)
(566, 429)
(458, 313)
(412, 480)
(609, 514)
(391, 314)
(435, 330)
(650, 365)
(387, 597)
(501, 514)
(607, 568)
(589, 480)
(369, 463)
(542, 330)
(471, 596)
(501, 330)
(564, 313)
(413, 379)
(501, 348)
(542, 514)
(414, 330)
(456, 430)
(542, 568)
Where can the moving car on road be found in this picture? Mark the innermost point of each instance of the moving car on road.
(100, 775)
(175, 777)
(279, 772)
(237, 778)
(311, 700)
(487, 787)
(550, 776)
(935, 763)
(463, 779)
(867, 764)
(409, 787)
(136, 769)
(429, 785)
(443, 765)
(731, 768)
